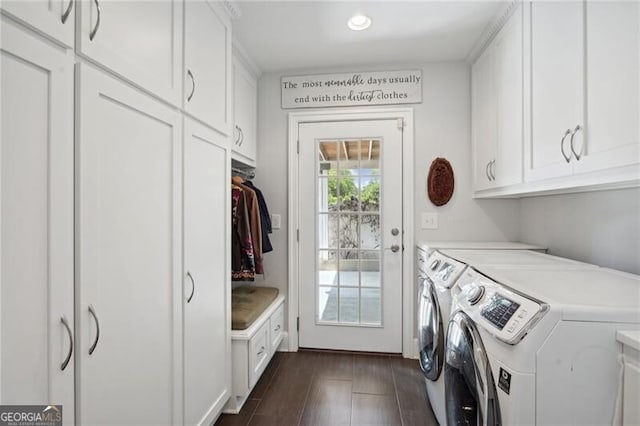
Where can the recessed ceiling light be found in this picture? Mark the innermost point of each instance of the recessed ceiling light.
(359, 22)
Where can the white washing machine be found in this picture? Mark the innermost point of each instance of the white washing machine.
(435, 302)
(537, 346)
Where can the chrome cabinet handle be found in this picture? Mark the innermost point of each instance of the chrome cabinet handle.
(193, 286)
(571, 143)
(64, 364)
(95, 318)
(486, 171)
(241, 136)
(93, 32)
(261, 351)
(567, 133)
(492, 170)
(237, 138)
(67, 12)
(193, 85)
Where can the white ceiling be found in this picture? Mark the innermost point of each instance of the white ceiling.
(285, 35)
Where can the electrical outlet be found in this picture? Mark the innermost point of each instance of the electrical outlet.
(429, 220)
(275, 221)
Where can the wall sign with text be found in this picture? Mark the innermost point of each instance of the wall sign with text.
(352, 89)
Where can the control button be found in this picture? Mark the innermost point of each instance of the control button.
(474, 294)
(522, 314)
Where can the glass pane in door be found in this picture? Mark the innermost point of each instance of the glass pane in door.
(348, 244)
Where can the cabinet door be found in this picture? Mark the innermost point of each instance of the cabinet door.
(556, 86)
(128, 288)
(245, 111)
(55, 18)
(207, 59)
(509, 101)
(207, 300)
(483, 113)
(139, 40)
(36, 222)
(612, 136)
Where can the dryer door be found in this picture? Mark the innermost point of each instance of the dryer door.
(430, 331)
(471, 397)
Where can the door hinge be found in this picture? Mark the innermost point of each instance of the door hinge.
(298, 147)
(298, 235)
(400, 123)
(297, 323)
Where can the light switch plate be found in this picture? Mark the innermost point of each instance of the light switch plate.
(275, 221)
(429, 220)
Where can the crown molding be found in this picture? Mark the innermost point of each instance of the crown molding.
(241, 55)
(233, 8)
(492, 29)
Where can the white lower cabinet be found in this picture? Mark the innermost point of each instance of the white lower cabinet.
(259, 349)
(207, 300)
(36, 223)
(128, 255)
(252, 349)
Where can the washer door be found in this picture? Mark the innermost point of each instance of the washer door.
(471, 397)
(430, 331)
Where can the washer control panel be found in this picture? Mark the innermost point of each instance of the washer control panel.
(504, 313)
(499, 310)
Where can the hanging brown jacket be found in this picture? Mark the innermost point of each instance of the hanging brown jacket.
(256, 230)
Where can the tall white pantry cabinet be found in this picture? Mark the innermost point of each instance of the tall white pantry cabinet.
(114, 278)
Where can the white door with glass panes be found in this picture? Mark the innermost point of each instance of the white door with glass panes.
(350, 224)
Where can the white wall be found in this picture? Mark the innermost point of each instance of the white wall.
(596, 227)
(442, 128)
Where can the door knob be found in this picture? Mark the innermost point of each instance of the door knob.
(395, 231)
(395, 248)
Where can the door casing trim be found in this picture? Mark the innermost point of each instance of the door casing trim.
(408, 273)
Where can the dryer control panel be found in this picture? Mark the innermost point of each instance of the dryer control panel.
(507, 315)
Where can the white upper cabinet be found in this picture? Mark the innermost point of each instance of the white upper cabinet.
(497, 102)
(55, 18)
(207, 64)
(575, 99)
(245, 98)
(484, 120)
(207, 287)
(139, 40)
(508, 74)
(36, 222)
(129, 249)
(612, 134)
(556, 66)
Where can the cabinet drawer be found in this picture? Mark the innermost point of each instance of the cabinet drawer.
(277, 324)
(258, 353)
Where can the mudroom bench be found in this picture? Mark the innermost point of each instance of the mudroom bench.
(257, 330)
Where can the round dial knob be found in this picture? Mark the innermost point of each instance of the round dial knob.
(474, 294)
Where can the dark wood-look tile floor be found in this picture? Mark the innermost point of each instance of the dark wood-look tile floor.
(334, 389)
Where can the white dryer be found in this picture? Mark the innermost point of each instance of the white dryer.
(537, 346)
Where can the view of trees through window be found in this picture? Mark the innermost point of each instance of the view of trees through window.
(344, 195)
